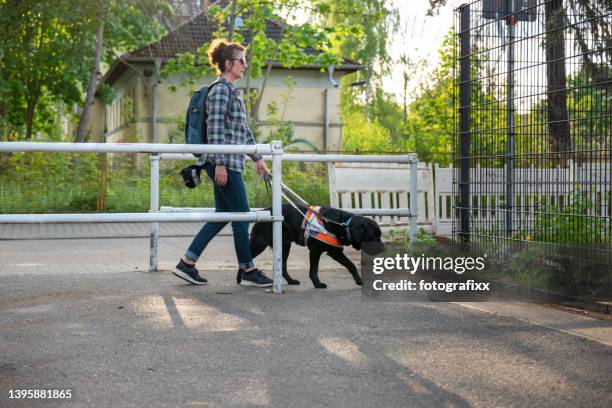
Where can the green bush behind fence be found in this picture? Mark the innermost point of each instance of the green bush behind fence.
(42, 183)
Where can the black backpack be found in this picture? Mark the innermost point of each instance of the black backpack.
(196, 131)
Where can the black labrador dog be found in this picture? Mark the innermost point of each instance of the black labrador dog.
(349, 229)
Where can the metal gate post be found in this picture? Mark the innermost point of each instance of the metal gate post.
(154, 207)
(464, 122)
(510, 118)
(277, 215)
(414, 212)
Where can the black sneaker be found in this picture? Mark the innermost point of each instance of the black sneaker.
(255, 278)
(239, 275)
(189, 273)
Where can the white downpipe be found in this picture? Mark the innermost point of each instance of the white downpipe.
(154, 207)
(277, 215)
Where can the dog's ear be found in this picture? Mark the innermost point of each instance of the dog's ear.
(357, 231)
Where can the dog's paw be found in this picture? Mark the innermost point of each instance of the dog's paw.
(320, 285)
(358, 281)
(293, 282)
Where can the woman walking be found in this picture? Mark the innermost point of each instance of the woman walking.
(226, 124)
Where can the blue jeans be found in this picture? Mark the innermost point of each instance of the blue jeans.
(232, 197)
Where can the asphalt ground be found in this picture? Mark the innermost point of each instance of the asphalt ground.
(86, 315)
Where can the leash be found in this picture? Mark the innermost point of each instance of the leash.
(286, 191)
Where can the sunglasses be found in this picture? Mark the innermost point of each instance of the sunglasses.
(242, 61)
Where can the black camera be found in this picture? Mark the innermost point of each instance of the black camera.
(191, 175)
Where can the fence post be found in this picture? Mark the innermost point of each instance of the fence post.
(414, 191)
(464, 122)
(277, 215)
(154, 207)
(510, 22)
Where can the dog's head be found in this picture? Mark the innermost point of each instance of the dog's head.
(366, 231)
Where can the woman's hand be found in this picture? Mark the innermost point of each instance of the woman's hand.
(220, 175)
(261, 167)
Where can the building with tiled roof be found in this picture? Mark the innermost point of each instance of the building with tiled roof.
(147, 110)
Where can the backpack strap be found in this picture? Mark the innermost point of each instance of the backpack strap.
(229, 89)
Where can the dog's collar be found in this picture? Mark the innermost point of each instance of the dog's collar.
(348, 229)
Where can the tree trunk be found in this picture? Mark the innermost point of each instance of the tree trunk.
(4, 113)
(255, 114)
(247, 89)
(232, 22)
(31, 108)
(368, 91)
(558, 125)
(81, 132)
(4, 156)
(405, 98)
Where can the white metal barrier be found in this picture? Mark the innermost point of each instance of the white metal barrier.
(273, 151)
(154, 216)
(411, 185)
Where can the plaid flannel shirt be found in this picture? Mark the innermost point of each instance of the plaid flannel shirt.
(227, 127)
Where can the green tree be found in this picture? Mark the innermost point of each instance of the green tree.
(368, 26)
(592, 37)
(116, 27)
(429, 123)
(40, 53)
(46, 55)
(362, 135)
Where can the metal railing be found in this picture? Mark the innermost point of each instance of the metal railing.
(157, 152)
(411, 212)
(275, 149)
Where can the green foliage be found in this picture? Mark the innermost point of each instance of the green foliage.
(129, 25)
(42, 182)
(528, 267)
(564, 269)
(41, 53)
(428, 128)
(290, 51)
(575, 223)
(46, 53)
(282, 130)
(429, 124)
(388, 113)
(589, 101)
(188, 68)
(402, 235)
(176, 131)
(365, 27)
(71, 183)
(362, 135)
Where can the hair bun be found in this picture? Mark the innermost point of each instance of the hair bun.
(221, 50)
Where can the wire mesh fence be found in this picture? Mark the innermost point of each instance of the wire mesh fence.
(533, 83)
